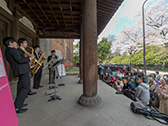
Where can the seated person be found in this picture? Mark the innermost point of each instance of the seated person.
(124, 72)
(109, 79)
(119, 73)
(142, 91)
(128, 89)
(163, 97)
(118, 84)
(130, 78)
(152, 83)
(135, 84)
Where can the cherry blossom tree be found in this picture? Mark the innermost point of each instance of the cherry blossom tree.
(156, 17)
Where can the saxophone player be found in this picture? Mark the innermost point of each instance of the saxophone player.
(23, 44)
(21, 69)
(38, 75)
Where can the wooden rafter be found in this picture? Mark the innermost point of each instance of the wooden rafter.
(62, 13)
(43, 12)
(34, 12)
(71, 11)
(53, 13)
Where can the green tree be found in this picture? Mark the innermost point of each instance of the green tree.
(103, 48)
(76, 53)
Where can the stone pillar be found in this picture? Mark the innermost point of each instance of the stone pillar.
(81, 56)
(90, 97)
(15, 25)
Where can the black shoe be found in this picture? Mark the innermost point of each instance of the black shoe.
(53, 82)
(24, 105)
(35, 87)
(32, 93)
(21, 110)
(40, 86)
(27, 96)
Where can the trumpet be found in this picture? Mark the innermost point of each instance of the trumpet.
(33, 61)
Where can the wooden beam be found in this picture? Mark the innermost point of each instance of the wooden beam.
(102, 6)
(71, 10)
(43, 12)
(53, 4)
(53, 13)
(62, 13)
(33, 12)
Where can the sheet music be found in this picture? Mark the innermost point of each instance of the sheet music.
(2, 70)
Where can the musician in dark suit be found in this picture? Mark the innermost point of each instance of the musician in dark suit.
(21, 69)
(51, 72)
(38, 75)
(23, 44)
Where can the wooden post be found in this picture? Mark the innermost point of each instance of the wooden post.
(90, 97)
(81, 55)
(15, 25)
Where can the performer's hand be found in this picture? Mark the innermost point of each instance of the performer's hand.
(26, 56)
(30, 63)
(32, 57)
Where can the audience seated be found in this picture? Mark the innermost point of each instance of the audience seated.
(109, 79)
(118, 84)
(128, 89)
(142, 91)
(152, 83)
(119, 74)
(124, 72)
(135, 84)
(130, 77)
(139, 87)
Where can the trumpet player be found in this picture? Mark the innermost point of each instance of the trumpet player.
(22, 45)
(38, 75)
(21, 69)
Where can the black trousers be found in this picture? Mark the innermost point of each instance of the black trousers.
(23, 88)
(37, 78)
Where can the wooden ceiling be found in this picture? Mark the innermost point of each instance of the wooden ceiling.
(62, 18)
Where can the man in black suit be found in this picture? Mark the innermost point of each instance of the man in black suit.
(51, 72)
(38, 75)
(21, 69)
(23, 44)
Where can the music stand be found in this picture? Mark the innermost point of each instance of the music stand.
(54, 97)
(61, 83)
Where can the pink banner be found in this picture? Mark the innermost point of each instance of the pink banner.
(7, 110)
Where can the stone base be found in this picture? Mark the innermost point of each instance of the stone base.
(89, 101)
(80, 81)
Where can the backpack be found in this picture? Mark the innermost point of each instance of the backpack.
(149, 112)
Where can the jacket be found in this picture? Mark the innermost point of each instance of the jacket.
(142, 92)
(19, 64)
(163, 105)
(50, 57)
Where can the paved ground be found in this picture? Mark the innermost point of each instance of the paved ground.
(114, 110)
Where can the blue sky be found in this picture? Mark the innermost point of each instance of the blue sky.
(124, 17)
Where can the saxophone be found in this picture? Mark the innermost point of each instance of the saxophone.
(33, 61)
(39, 64)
